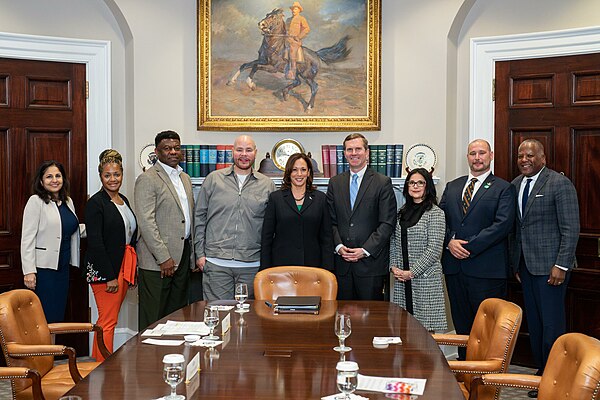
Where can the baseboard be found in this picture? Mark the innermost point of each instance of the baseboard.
(122, 335)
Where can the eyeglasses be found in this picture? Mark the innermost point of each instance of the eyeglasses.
(416, 183)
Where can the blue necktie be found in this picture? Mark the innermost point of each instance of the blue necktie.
(353, 190)
(525, 196)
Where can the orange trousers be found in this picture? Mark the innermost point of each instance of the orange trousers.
(109, 305)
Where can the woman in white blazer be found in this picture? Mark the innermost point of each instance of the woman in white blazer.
(50, 239)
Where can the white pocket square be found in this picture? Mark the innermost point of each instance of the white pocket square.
(539, 195)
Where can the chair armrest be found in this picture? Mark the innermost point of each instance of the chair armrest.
(81, 327)
(70, 327)
(475, 367)
(519, 381)
(25, 373)
(17, 350)
(451, 340)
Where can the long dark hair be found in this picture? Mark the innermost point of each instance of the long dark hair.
(289, 166)
(430, 197)
(38, 188)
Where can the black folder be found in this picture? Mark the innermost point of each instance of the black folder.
(298, 304)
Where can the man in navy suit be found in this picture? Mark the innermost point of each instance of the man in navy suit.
(543, 252)
(363, 214)
(480, 212)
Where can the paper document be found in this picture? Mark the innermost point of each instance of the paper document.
(162, 342)
(391, 385)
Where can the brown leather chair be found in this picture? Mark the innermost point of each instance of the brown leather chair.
(572, 372)
(273, 282)
(25, 373)
(26, 343)
(490, 344)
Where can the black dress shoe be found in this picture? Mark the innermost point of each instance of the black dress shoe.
(532, 394)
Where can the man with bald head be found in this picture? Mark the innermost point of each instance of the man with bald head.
(480, 212)
(228, 222)
(543, 252)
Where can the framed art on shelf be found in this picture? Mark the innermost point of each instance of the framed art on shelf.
(266, 65)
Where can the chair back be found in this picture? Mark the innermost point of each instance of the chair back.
(573, 369)
(493, 338)
(22, 321)
(273, 282)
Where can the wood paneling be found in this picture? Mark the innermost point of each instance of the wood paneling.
(531, 91)
(43, 117)
(557, 101)
(49, 93)
(586, 88)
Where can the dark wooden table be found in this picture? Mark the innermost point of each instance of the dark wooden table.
(280, 357)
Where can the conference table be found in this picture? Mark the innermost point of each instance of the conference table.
(277, 356)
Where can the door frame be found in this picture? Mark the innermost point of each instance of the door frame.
(95, 54)
(485, 51)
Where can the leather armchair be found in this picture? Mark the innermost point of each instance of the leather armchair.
(273, 282)
(26, 343)
(572, 372)
(490, 345)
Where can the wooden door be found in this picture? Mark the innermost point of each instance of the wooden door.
(557, 101)
(42, 116)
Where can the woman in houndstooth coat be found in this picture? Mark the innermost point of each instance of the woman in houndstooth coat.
(416, 251)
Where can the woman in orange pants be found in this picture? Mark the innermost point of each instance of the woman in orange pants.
(110, 259)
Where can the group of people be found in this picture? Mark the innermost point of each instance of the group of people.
(240, 224)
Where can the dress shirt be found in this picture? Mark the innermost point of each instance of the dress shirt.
(183, 200)
(480, 179)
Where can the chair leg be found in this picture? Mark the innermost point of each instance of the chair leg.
(100, 340)
(73, 364)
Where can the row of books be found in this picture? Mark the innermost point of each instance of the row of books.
(384, 158)
(201, 159)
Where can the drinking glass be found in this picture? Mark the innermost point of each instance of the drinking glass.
(343, 328)
(347, 378)
(211, 319)
(241, 295)
(173, 374)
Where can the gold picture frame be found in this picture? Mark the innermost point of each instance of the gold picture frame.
(348, 95)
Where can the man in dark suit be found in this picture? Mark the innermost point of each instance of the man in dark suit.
(363, 215)
(480, 213)
(543, 252)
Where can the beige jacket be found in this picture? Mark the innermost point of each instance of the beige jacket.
(40, 236)
(161, 222)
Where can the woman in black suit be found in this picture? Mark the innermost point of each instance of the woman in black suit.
(297, 225)
(111, 226)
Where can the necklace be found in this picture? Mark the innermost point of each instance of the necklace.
(301, 198)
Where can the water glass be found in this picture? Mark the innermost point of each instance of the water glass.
(343, 329)
(347, 378)
(173, 374)
(241, 295)
(211, 319)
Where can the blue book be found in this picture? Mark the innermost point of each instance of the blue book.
(183, 162)
(339, 152)
(203, 160)
(212, 157)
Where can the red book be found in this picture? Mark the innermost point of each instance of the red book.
(332, 161)
(326, 162)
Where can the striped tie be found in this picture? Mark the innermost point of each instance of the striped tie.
(466, 201)
(353, 190)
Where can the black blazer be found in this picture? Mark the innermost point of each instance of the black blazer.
(292, 237)
(106, 238)
(369, 225)
(486, 227)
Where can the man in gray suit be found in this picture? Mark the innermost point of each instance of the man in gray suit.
(164, 206)
(543, 252)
